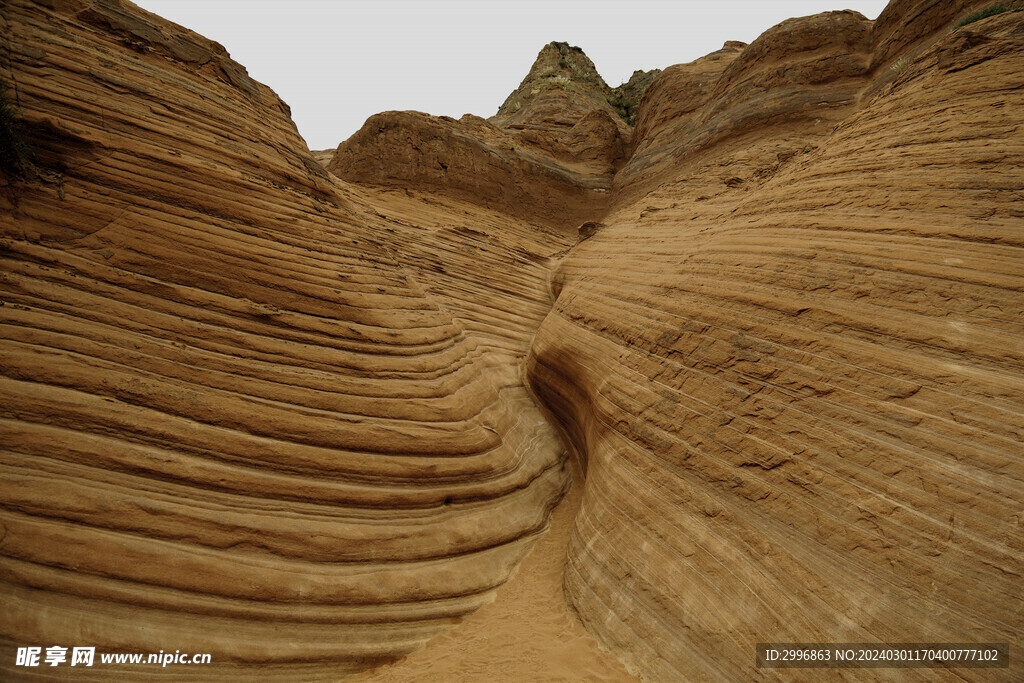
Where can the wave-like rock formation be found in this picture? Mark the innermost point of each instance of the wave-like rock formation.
(286, 416)
(794, 367)
(233, 419)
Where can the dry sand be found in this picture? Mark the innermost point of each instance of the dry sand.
(527, 634)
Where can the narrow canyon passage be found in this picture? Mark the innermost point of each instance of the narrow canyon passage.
(526, 634)
(303, 416)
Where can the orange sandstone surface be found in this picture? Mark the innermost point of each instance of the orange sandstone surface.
(317, 413)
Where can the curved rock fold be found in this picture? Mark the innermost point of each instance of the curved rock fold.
(283, 412)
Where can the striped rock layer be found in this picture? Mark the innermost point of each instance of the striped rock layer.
(233, 418)
(286, 416)
(793, 357)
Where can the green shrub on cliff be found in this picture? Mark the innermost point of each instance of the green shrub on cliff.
(985, 13)
(625, 108)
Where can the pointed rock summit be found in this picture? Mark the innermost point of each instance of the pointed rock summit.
(563, 127)
(562, 66)
(563, 72)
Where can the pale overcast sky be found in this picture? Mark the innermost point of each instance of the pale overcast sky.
(337, 62)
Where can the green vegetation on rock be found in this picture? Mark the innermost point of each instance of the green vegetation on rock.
(624, 108)
(567, 67)
(985, 13)
(625, 98)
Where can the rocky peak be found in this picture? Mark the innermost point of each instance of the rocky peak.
(558, 65)
(566, 68)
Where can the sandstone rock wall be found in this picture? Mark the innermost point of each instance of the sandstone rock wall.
(798, 391)
(791, 85)
(233, 420)
(254, 408)
(905, 26)
(548, 156)
(473, 160)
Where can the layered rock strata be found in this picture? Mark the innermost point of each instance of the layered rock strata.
(793, 367)
(254, 408)
(233, 419)
(473, 160)
(549, 155)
